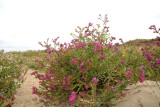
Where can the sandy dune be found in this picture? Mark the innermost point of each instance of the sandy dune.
(139, 95)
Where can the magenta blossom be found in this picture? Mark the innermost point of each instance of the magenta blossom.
(128, 73)
(90, 24)
(158, 60)
(122, 61)
(54, 84)
(151, 64)
(82, 64)
(75, 62)
(101, 47)
(141, 68)
(119, 82)
(86, 87)
(95, 80)
(72, 98)
(100, 56)
(97, 44)
(149, 57)
(142, 78)
(112, 88)
(103, 56)
(124, 94)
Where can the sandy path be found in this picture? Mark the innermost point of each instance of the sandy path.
(25, 96)
(139, 95)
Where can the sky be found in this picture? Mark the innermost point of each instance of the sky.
(24, 23)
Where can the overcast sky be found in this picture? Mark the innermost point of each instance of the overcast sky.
(24, 23)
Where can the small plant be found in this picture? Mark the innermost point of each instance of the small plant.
(11, 77)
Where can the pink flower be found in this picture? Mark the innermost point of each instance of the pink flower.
(151, 64)
(96, 53)
(158, 61)
(86, 87)
(120, 39)
(88, 67)
(141, 68)
(69, 76)
(82, 70)
(90, 24)
(107, 84)
(68, 82)
(112, 88)
(15, 96)
(75, 62)
(142, 78)
(80, 59)
(72, 98)
(82, 77)
(149, 57)
(88, 34)
(124, 94)
(103, 56)
(122, 61)
(35, 60)
(37, 93)
(95, 80)
(82, 64)
(145, 53)
(113, 38)
(101, 47)
(128, 73)
(93, 43)
(97, 44)
(119, 95)
(33, 72)
(41, 65)
(49, 51)
(88, 62)
(119, 82)
(54, 84)
(44, 77)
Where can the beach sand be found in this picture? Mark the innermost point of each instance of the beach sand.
(141, 95)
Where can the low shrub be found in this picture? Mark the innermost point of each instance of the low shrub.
(91, 70)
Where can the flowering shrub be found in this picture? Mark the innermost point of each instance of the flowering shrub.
(11, 76)
(91, 70)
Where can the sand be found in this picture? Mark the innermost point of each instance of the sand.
(139, 95)
(24, 94)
